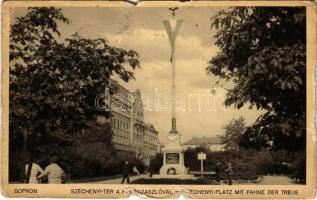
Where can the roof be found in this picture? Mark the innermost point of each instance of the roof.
(121, 90)
(148, 126)
(203, 141)
(152, 128)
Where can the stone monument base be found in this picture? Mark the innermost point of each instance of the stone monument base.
(173, 159)
(183, 176)
(173, 169)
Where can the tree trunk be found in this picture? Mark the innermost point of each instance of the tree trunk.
(30, 163)
(28, 157)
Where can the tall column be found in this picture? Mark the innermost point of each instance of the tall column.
(173, 92)
(172, 28)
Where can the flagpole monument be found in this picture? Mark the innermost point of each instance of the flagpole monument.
(173, 153)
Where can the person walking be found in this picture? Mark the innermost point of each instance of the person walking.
(53, 171)
(36, 173)
(125, 173)
(217, 170)
(229, 171)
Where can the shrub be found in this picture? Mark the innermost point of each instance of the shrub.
(249, 163)
(191, 161)
(156, 163)
(299, 164)
(16, 170)
(246, 163)
(244, 171)
(275, 168)
(96, 159)
(87, 160)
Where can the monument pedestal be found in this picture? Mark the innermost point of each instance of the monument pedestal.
(173, 162)
(173, 159)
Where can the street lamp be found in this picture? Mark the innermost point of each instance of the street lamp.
(101, 120)
(103, 117)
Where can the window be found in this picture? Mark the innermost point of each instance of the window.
(120, 139)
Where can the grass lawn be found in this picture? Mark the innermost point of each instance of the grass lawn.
(174, 181)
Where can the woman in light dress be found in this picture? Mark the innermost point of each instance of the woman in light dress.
(136, 171)
(36, 173)
(54, 172)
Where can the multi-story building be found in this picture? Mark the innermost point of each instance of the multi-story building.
(149, 146)
(130, 132)
(211, 143)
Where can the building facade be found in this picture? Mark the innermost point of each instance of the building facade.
(211, 143)
(130, 132)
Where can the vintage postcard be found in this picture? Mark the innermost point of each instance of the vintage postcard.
(206, 99)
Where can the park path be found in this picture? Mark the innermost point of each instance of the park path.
(276, 180)
(266, 180)
(118, 180)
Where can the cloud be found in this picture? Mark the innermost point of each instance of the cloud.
(153, 45)
(141, 29)
(192, 56)
(205, 121)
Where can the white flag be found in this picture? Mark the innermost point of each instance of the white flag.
(172, 28)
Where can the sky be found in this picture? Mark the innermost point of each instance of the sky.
(198, 112)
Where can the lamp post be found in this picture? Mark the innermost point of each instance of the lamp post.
(101, 120)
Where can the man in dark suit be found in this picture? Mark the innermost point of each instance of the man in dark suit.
(125, 172)
(217, 170)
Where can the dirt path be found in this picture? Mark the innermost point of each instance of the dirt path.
(118, 180)
(276, 180)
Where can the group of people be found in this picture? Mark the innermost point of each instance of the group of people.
(53, 172)
(228, 172)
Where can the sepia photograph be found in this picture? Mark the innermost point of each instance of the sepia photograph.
(158, 95)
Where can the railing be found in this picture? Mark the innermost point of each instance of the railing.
(222, 176)
(204, 173)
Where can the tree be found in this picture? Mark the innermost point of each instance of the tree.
(54, 80)
(190, 157)
(233, 133)
(263, 53)
(156, 164)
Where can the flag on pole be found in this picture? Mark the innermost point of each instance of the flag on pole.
(172, 28)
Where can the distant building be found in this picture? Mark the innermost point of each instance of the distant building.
(147, 147)
(212, 143)
(130, 132)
